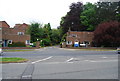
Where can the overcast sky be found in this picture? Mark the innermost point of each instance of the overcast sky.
(42, 11)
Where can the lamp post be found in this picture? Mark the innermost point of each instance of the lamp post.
(37, 39)
(41, 43)
(37, 43)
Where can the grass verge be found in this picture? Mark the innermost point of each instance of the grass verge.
(12, 60)
(14, 50)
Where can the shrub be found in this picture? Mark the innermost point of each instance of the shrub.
(17, 44)
(107, 34)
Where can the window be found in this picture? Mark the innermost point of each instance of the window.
(69, 42)
(73, 35)
(9, 41)
(20, 33)
(86, 42)
(28, 42)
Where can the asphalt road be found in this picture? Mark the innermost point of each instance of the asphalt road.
(57, 63)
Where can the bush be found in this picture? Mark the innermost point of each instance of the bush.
(17, 44)
(107, 34)
(34, 44)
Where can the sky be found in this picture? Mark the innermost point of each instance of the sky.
(41, 11)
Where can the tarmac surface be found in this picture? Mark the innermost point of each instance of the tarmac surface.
(59, 63)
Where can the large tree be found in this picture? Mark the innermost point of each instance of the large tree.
(88, 16)
(72, 19)
(44, 34)
(107, 34)
(118, 11)
(34, 31)
(107, 11)
(56, 36)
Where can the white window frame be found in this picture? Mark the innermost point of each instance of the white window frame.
(73, 35)
(20, 33)
(27, 42)
(9, 41)
(69, 42)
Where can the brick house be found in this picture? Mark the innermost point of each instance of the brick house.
(76, 39)
(15, 34)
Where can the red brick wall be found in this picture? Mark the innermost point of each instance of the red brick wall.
(17, 38)
(4, 24)
(12, 33)
(81, 36)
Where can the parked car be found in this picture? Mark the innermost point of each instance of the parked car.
(1, 52)
(118, 50)
(82, 45)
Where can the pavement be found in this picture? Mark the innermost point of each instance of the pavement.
(59, 63)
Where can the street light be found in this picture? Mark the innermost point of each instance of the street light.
(37, 39)
(41, 41)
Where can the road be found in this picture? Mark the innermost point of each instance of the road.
(59, 63)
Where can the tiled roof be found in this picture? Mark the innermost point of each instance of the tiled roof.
(4, 24)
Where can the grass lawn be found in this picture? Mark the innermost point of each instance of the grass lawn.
(16, 50)
(12, 60)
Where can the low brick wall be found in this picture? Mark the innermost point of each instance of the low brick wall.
(20, 48)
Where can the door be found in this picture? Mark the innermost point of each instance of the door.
(5, 44)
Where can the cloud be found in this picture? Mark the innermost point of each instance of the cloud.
(44, 11)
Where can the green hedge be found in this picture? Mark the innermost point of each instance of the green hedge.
(17, 44)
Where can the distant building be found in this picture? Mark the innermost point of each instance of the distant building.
(77, 39)
(17, 34)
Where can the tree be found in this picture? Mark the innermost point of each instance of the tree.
(88, 16)
(44, 34)
(72, 19)
(47, 30)
(118, 12)
(34, 31)
(107, 11)
(56, 36)
(107, 34)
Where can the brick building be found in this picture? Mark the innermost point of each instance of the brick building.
(76, 39)
(15, 34)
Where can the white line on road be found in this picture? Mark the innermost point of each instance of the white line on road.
(26, 76)
(69, 59)
(105, 61)
(104, 57)
(42, 60)
(16, 63)
(86, 60)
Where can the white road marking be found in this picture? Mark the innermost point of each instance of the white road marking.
(104, 57)
(69, 59)
(11, 78)
(86, 60)
(104, 61)
(42, 60)
(16, 63)
(26, 76)
(54, 63)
